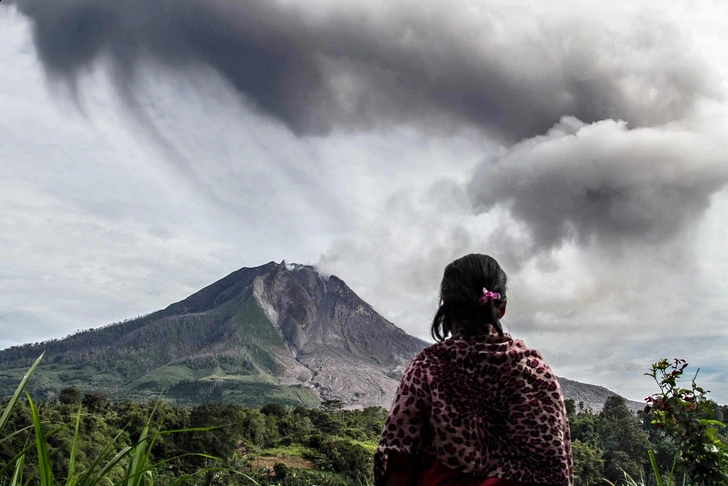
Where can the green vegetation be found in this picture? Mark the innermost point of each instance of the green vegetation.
(88, 440)
(227, 354)
(693, 423)
(84, 439)
(679, 439)
(64, 454)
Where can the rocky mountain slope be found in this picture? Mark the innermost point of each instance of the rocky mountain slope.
(278, 332)
(592, 396)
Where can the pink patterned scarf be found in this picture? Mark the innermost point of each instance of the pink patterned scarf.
(488, 407)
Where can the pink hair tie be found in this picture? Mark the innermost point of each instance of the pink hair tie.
(487, 294)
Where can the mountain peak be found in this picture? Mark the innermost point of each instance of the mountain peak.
(297, 267)
(277, 332)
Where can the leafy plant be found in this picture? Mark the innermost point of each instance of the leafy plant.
(687, 415)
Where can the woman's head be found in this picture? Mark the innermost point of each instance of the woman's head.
(463, 305)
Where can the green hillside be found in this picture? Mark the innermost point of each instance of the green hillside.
(226, 355)
(237, 340)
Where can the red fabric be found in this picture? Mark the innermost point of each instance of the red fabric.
(441, 475)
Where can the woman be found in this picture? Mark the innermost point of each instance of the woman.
(479, 407)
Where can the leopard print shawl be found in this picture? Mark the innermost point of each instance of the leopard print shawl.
(490, 407)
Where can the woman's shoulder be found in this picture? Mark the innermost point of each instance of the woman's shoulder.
(495, 347)
(430, 352)
(459, 345)
(433, 354)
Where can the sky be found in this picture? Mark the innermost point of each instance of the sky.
(149, 148)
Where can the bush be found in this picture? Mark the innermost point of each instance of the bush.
(687, 415)
(281, 470)
(70, 396)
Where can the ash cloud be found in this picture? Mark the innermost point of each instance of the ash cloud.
(604, 183)
(316, 66)
(554, 88)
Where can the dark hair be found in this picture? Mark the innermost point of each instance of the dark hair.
(460, 291)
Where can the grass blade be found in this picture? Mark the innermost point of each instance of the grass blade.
(14, 399)
(72, 460)
(655, 469)
(86, 478)
(25, 450)
(184, 477)
(17, 432)
(138, 461)
(44, 463)
(194, 429)
(113, 462)
(17, 457)
(671, 477)
(18, 474)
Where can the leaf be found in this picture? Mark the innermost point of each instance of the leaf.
(86, 479)
(194, 429)
(105, 471)
(25, 451)
(72, 460)
(14, 399)
(17, 432)
(716, 423)
(17, 478)
(655, 469)
(139, 457)
(45, 471)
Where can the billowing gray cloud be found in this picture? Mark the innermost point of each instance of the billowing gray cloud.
(605, 183)
(512, 71)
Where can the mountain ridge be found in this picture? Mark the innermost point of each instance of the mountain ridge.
(277, 332)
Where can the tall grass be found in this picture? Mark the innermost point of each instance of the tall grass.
(667, 479)
(136, 459)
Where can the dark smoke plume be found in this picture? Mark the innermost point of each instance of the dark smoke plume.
(513, 73)
(318, 66)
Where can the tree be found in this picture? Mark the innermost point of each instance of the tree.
(583, 427)
(255, 427)
(70, 396)
(275, 409)
(623, 441)
(331, 405)
(95, 401)
(588, 464)
(349, 459)
(221, 441)
(329, 423)
(570, 406)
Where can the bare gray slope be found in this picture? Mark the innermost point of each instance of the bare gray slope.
(352, 353)
(592, 396)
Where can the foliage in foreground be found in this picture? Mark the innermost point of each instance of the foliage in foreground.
(686, 432)
(686, 415)
(86, 440)
(113, 463)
